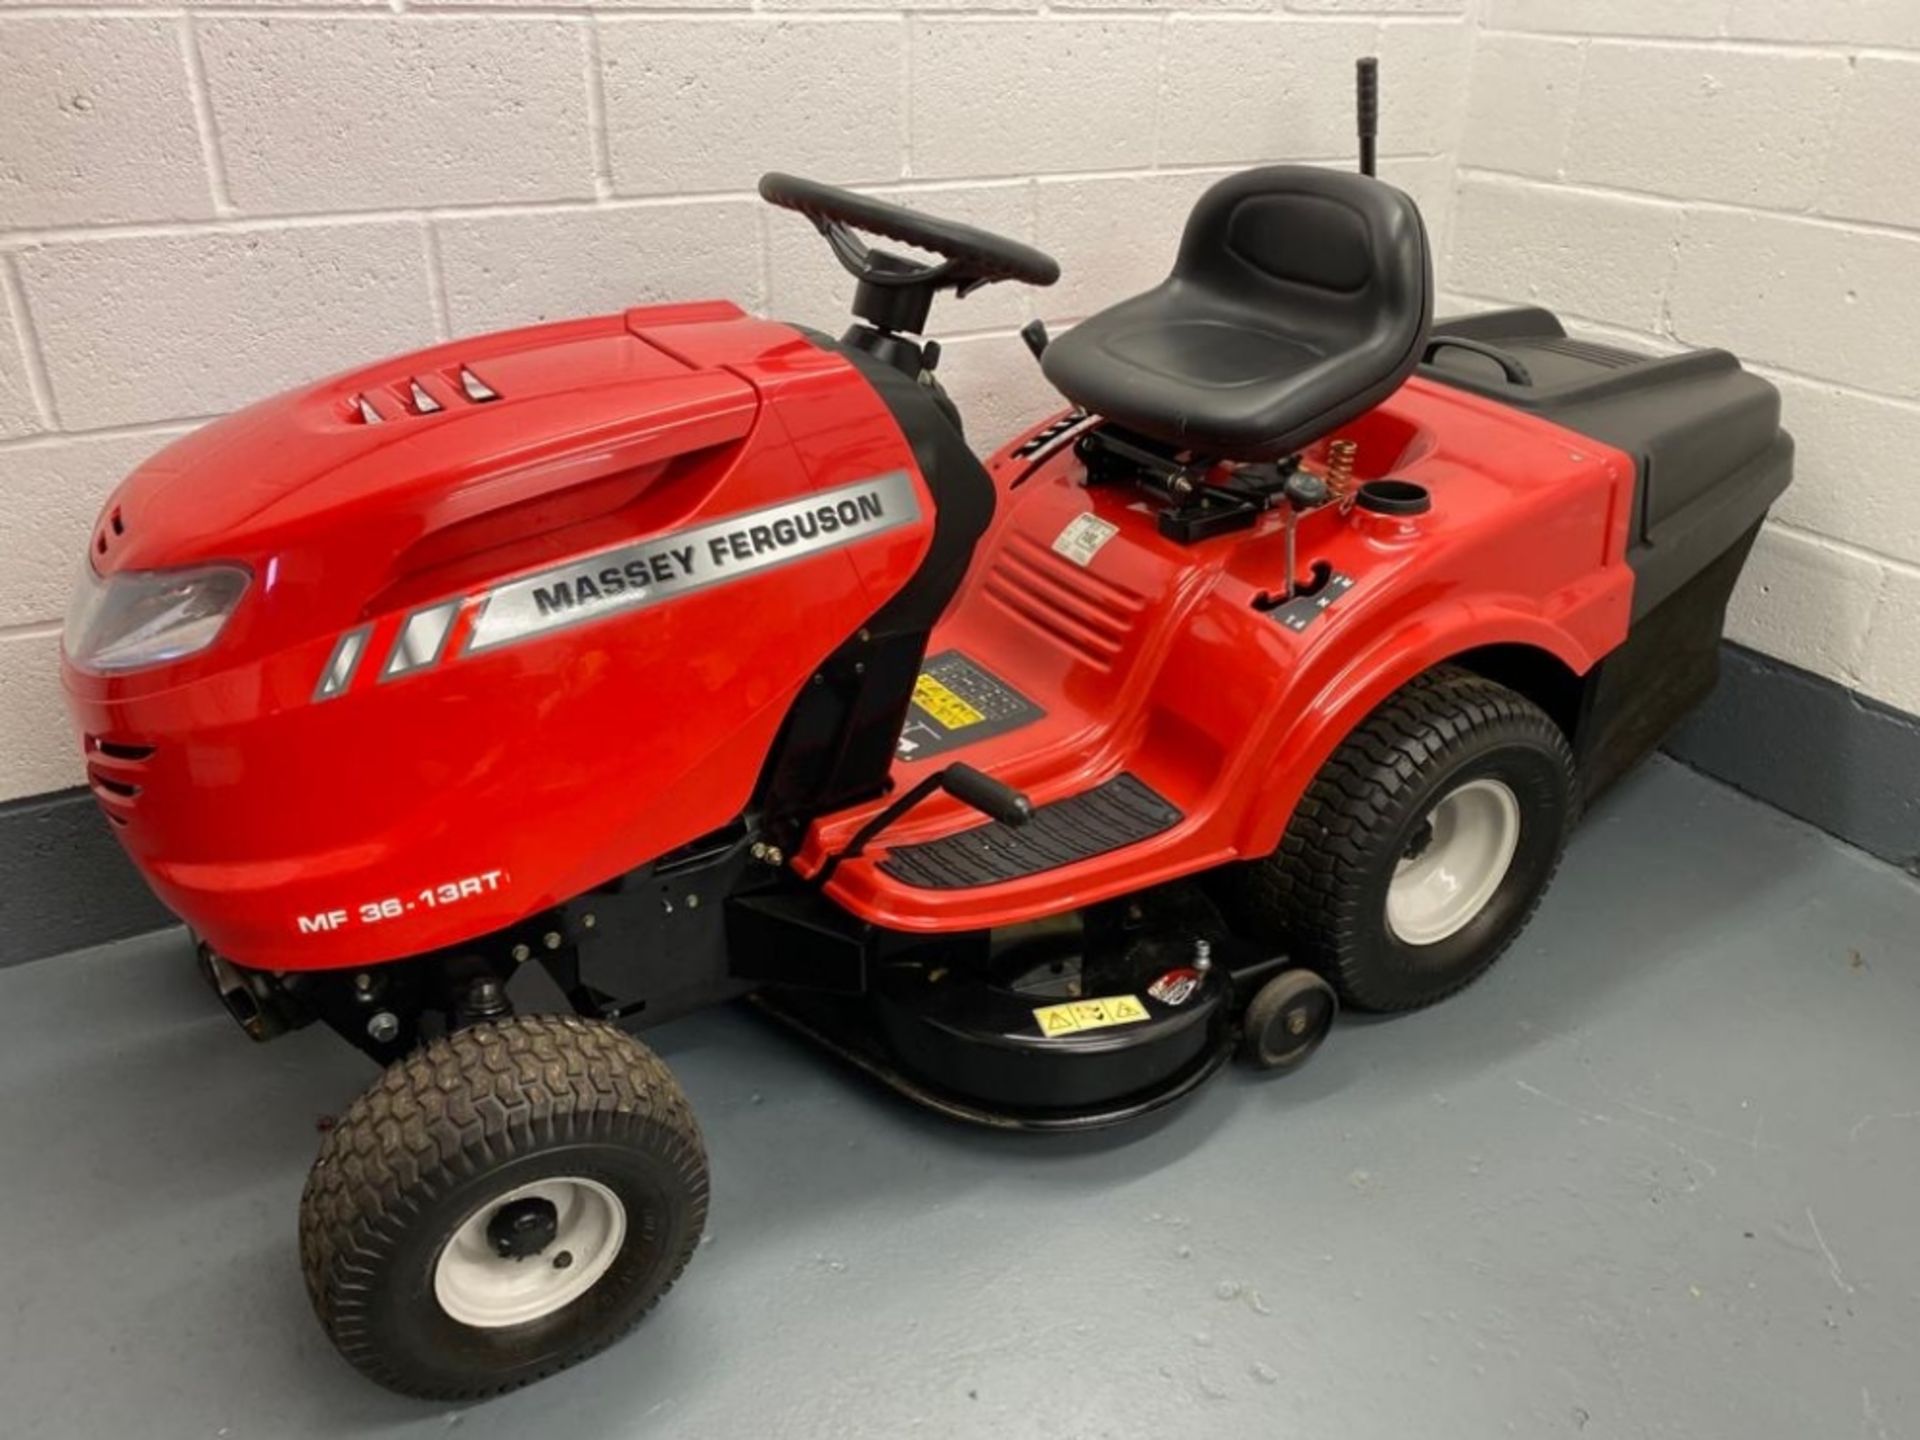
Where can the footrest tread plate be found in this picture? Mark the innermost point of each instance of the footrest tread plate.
(1122, 811)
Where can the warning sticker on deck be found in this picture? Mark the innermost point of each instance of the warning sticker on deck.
(1074, 1016)
(956, 702)
(1081, 538)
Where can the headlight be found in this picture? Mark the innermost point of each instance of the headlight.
(145, 617)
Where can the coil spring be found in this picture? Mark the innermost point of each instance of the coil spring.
(1339, 474)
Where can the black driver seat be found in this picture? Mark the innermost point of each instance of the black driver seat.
(1301, 298)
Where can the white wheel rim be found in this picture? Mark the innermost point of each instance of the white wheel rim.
(478, 1286)
(1436, 892)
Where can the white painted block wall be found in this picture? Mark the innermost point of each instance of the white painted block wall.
(1740, 173)
(201, 205)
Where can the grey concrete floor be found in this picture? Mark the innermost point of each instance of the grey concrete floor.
(1657, 1175)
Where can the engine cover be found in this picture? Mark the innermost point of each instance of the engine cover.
(525, 612)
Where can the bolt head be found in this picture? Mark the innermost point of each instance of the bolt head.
(693, 902)
(551, 940)
(383, 1027)
(589, 920)
(521, 954)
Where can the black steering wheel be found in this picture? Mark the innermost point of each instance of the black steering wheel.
(971, 258)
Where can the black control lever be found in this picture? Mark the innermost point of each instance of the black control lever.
(1303, 491)
(1034, 332)
(993, 798)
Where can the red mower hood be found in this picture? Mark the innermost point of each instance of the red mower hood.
(420, 442)
(292, 786)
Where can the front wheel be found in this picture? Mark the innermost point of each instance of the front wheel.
(1423, 845)
(501, 1204)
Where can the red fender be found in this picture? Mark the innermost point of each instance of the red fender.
(1373, 675)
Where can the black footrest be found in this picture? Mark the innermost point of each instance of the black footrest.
(1120, 812)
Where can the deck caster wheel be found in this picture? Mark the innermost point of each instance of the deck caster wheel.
(1286, 1020)
(505, 1202)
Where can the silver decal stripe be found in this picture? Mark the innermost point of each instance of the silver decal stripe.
(420, 640)
(338, 673)
(663, 567)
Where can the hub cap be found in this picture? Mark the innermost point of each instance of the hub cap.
(529, 1252)
(1454, 861)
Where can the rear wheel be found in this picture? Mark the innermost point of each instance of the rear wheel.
(501, 1204)
(1423, 845)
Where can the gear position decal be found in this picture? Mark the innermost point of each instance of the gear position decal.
(1297, 614)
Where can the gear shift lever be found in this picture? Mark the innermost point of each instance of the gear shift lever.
(1301, 492)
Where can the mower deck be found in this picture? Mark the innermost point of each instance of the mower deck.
(844, 1027)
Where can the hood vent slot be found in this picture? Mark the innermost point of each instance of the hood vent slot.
(121, 750)
(411, 395)
(112, 530)
(477, 389)
(115, 769)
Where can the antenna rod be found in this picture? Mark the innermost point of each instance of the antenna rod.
(1366, 79)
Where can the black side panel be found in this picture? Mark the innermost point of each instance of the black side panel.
(1704, 433)
(962, 491)
(1667, 665)
(838, 742)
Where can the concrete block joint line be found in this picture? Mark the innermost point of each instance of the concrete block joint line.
(206, 204)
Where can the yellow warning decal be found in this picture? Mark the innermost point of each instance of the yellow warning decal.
(943, 705)
(1077, 1015)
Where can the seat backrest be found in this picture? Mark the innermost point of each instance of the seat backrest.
(1340, 259)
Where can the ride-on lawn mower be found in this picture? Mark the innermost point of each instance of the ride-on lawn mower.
(679, 655)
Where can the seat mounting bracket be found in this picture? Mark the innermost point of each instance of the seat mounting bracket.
(1203, 497)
